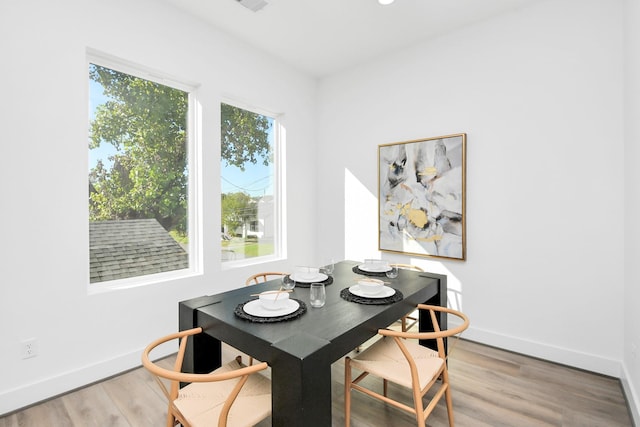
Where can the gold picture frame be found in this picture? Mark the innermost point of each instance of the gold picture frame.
(422, 197)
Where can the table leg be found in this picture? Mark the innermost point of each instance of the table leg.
(440, 299)
(301, 383)
(203, 353)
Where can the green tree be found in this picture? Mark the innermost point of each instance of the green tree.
(146, 123)
(245, 137)
(237, 208)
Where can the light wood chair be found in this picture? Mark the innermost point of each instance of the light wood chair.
(399, 358)
(411, 319)
(232, 395)
(263, 277)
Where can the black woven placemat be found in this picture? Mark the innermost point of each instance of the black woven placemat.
(327, 282)
(346, 295)
(239, 311)
(357, 270)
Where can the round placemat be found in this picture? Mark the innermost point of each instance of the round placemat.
(357, 270)
(326, 282)
(346, 295)
(239, 311)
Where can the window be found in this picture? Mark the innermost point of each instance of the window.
(250, 200)
(138, 175)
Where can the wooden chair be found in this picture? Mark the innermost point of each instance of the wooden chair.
(232, 395)
(263, 277)
(399, 358)
(410, 319)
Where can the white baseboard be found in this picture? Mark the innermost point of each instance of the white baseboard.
(633, 399)
(29, 394)
(564, 356)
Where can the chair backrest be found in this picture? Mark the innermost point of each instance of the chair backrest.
(438, 334)
(176, 376)
(263, 277)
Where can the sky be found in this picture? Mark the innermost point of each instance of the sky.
(256, 180)
(97, 97)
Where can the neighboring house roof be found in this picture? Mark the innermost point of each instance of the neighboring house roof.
(129, 248)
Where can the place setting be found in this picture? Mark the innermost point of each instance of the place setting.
(304, 276)
(372, 292)
(376, 268)
(271, 306)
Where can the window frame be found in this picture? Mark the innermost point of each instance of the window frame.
(194, 170)
(279, 196)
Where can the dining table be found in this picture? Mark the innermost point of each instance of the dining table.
(301, 346)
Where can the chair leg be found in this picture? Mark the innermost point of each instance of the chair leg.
(418, 407)
(447, 397)
(404, 324)
(347, 391)
(171, 420)
(385, 387)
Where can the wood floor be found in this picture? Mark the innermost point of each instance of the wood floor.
(491, 387)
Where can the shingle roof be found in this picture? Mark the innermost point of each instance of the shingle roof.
(129, 248)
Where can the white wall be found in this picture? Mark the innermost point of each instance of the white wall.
(631, 377)
(539, 93)
(44, 267)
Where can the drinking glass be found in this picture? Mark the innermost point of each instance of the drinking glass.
(317, 295)
(288, 282)
(328, 268)
(393, 272)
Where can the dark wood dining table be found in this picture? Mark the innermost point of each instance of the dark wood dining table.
(300, 351)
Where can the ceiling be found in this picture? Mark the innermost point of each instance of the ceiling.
(321, 37)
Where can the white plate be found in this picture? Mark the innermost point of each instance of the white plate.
(386, 292)
(255, 308)
(372, 268)
(319, 277)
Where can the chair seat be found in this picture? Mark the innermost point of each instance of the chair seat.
(201, 403)
(399, 358)
(385, 359)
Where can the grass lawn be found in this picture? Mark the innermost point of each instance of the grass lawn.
(249, 249)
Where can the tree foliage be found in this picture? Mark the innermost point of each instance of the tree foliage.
(244, 137)
(146, 122)
(237, 208)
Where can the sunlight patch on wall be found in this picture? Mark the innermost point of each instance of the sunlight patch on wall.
(360, 220)
(454, 286)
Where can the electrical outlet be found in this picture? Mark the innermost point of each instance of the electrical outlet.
(29, 348)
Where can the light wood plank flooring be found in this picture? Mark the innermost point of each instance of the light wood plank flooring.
(491, 387)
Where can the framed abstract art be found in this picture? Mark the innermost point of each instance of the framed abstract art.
(421, 194)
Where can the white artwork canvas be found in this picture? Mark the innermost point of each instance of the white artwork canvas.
(421, 193)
